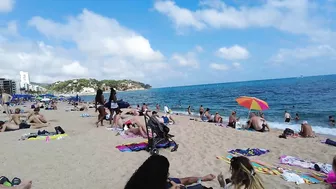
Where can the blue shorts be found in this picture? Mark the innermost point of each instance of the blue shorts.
(176, 180)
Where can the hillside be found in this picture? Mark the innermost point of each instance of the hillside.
(90, 85)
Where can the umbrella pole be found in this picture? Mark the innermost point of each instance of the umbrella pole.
(248, 114)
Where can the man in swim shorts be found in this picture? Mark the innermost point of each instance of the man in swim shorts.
(287, 117)
(257, 123)
(233, 120)
(6, 99)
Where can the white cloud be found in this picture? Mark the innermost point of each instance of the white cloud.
(235, 52)
(199, 49)
(304, 53)
(221, 67)
(6, 5)
(236, 65)
(75, 69)
(94, 46)
(294, 16)
(180, 16)
(188, 60)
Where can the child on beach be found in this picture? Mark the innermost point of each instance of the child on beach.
(243, 175)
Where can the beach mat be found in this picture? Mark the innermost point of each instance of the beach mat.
(294, 161)
(264, 168)
(248, 152)
(135, 147)
(52, 137)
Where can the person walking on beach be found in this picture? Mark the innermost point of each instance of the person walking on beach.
(157, 107)
(112, 104)
(287, 117)
(201, 110)
(189, 110)
(6, 99)
(99, 106)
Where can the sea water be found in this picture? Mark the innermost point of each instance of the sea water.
(313, 98)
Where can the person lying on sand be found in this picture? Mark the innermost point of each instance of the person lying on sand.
(257, 123)
(137, 129)
(243, 175)
(164, 119)
(306, 130)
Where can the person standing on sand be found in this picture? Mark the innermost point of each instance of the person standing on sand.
(189, 110)
(157, 107)
(99, 106)
(112, 104)
(6, 99)
(201, 110)
(287, 117)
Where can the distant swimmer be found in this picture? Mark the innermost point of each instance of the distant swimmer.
(297, 117)
(332, 120)
(201, 110)
(189, 110)
(287, 117)
(157, 107)
(306, 130)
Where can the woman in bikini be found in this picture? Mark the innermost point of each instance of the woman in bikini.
(112, 103)
(133, 125)
(99, 105)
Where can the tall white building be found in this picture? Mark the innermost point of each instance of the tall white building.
(24, 79)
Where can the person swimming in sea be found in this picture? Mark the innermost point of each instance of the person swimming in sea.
(331, 120)
(287, 117)
(297, 117)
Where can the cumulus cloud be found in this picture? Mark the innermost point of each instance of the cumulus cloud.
(304, 53)
(6, 6)
(190, 59)
(294, 16)
(236, 65)
(235, 52)
(88, 45)
(221, 67)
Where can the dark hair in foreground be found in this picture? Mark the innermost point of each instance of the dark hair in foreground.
(152, 174)
(98, 95)
(243, 174)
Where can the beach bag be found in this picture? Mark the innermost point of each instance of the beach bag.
(288, 132)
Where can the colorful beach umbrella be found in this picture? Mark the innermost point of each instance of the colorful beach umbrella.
(252, 103)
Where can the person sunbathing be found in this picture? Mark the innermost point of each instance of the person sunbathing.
(218, 118)
(37, 119)
(164, 119)
(257, 123)
(243, 175)
(53, 105)
(233, 120)
(306, 130)
(207, 116)
(132, 126)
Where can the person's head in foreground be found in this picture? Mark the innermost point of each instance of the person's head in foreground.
(1, 124)
(304, 123)
(118, 111)
(233, 113)
(36, 110)
(152, 174)
(243, 174)
(17, 110)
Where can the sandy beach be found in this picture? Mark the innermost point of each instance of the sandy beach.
(87, 158)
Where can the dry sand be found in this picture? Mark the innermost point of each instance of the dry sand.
(88, 157)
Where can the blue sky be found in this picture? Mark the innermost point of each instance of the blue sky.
(165, 42)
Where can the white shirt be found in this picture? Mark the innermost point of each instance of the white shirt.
(166, 109)
(287, 115)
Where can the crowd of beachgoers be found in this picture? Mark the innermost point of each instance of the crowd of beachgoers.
(154, 172)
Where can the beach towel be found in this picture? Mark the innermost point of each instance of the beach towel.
(135, 147)
(249, 152)
(265, 168)
(294, 161)
(249, 129)
(292, 177)
(51, 137)
(330, 142)
(86, 115)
